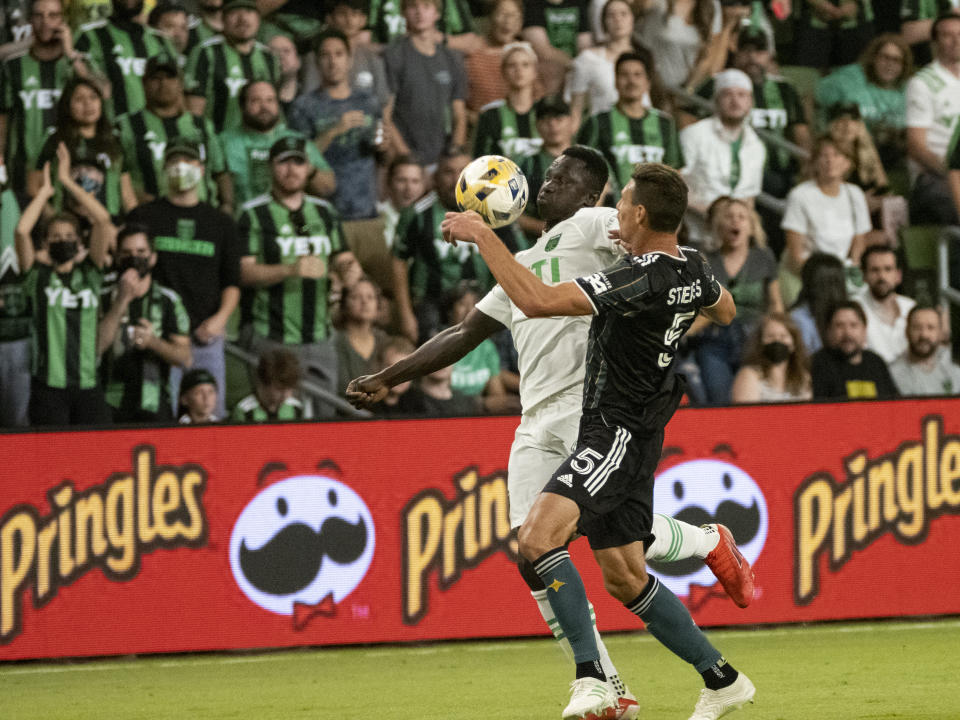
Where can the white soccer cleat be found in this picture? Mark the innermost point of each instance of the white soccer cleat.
(714, 704)
(627, 707)
(591, 699)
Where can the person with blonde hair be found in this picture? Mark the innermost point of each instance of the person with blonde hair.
(776, 366)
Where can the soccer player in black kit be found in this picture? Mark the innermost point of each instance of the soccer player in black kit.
(642, 305)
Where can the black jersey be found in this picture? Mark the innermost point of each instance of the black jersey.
(643, 304)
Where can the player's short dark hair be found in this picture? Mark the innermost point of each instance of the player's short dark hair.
(279, 367)
(596, 166)
(877, 250)
(632, 56)
(399, 162)
(924, 306)
(245, 91)
(328, 34)
(661, 190)
(847, 305)
(131, 229)
(941, 19)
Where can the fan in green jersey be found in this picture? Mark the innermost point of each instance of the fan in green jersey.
(62, 284)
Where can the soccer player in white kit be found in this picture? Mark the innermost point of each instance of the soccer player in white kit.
(552, 352)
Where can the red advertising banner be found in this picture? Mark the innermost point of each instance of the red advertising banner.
(179, 539)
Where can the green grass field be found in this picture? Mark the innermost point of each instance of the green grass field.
(875, 671)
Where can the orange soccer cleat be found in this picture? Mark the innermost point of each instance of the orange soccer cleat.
(731, 568)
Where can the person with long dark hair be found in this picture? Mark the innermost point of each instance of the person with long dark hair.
(83, 125)
(775, 367)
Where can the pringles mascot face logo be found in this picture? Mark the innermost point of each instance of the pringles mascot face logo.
(305, 540)
(709, 491)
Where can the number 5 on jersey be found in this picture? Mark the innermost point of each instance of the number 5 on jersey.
(672, 336)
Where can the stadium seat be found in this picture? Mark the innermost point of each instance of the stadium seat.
(919, 247)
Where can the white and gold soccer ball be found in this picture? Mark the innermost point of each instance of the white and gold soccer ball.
(494, 187)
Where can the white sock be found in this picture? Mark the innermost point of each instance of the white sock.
(677, 540)
(609, 669)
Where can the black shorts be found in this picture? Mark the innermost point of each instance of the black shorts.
(610, 478)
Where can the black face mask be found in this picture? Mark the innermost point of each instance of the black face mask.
(63, 251)
(140, 264)
(776, 352)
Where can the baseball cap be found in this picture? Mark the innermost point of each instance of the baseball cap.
(161, 63)
(183, 146)
(229, 5)
(288, 147)
(752, 36)
(552, 106)
(197, 376)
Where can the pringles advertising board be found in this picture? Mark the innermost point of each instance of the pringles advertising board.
(186, 539)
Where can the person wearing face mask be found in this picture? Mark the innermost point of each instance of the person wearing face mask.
(143, 333)
(145, 133)
(119, 47)
(775, 366)
(844, 369)
(198, 257)
(62, 283)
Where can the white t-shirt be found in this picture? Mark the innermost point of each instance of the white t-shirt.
(886, 340)
(709, 157)
(674, 44)
(829, 222)
(552, 351)
(933, 103)
(593, 74)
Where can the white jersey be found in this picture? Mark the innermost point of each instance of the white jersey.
(933, 103)
(552, 351)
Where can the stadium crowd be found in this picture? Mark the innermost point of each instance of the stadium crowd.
(273, 174)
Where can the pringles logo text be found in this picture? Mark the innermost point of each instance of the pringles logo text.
(110, 526)
(450, 535)
(899, 493)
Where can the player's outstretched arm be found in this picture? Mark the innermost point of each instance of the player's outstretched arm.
(528, 292)
(724, 310)
(443, 349)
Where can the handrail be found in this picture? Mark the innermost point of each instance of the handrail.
(306, 386)
(765, 135)
(947, 293)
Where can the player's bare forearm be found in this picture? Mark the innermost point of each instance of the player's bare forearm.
(438, 352)
(528, 292)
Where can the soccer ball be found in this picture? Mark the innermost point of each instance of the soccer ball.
(494, 187)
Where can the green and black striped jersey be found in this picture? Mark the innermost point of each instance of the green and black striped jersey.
(295, 311)
(29, 91)
(434, 265)
(776, 108)
(65, 311)
(120, 51)
(144, 135)
(250, 410)
(199, 31)
(137, 381)
(626, 141)
(501, 130)
(15, 320)
(105, 188)
(387, 23)
(217, 71)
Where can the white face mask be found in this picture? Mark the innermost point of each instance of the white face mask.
(183, 176)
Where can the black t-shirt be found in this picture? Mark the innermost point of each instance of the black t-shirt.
(198, 253)
(643, 304)
(834, 377)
